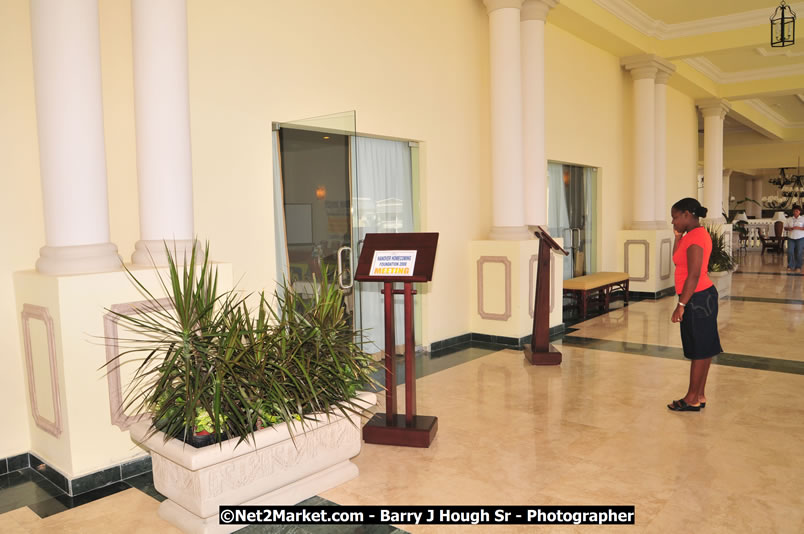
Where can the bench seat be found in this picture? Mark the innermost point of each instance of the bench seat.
(599, 284)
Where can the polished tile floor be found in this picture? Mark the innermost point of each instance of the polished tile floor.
(594, 430)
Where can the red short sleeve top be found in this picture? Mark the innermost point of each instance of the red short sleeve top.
(697, 236)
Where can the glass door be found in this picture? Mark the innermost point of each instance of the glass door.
(316, 191)
(383, 202)
(572, 201)
(336, 187)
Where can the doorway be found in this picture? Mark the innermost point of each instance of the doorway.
(333, 186)
(572, 215)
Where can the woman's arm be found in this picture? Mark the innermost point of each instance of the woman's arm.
(676, 241)
(694, 264)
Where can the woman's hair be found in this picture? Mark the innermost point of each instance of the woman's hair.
(691, 205)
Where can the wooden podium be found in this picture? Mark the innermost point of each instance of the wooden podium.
(391, 258)
(540, 351)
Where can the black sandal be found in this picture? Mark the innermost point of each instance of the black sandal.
(682, 406)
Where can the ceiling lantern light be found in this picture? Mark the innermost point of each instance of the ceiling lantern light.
(783, 26)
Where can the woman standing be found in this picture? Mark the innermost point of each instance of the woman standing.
(697, 300)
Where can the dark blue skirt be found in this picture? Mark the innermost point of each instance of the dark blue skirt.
(699, 335)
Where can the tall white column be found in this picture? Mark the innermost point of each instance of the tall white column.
(714, 111)
(533, 16)
(650, 138)
(162, 114)
(661, 210)
(756, 190)
(69, 114)
(508, 215)
(726, 188)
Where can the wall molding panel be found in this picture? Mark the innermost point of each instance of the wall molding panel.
(481, 262)
(110, 330)
(627, 247)
(30, 313)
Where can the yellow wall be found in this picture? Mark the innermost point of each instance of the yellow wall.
(682, 148)
(587, 97)
(417, 70)
(406, 75)
(589, 121)
(22, 229)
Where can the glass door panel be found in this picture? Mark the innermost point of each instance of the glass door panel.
(572, 201)
(382, 203)
(316, 191)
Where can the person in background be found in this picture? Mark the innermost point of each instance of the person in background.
(795, 241)
(697, 300)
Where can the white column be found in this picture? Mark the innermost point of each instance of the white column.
(162, 114)
(661, 210)
(69, 114)
(726, 188)
(650, 136)
(533, 16)
(714, 111)
(756, 189)
(508, 215)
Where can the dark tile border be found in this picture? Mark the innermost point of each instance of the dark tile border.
(675, 353)
(135, 468)
(781, 273)
(50, 474)
(82, 484)
(95, 480)
(646, 295)
(764, 299)
(20, 461)
(502, 341)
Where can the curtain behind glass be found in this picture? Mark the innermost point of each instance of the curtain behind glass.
(557, 213)
(590, 219)
(382, 203)
(279, 216)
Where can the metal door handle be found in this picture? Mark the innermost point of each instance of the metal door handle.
(341, 271)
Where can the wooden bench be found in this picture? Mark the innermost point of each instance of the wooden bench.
(600, 284)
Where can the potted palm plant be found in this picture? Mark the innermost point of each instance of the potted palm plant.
(721, 263)
(261, 407)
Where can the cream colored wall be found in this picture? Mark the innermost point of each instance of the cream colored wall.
(406, 75)
(416, 70)
(22, 230)
(252, 63)
(682, 148)
(589, 121)
(587, 97)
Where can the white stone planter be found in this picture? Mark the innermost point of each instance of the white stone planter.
(722, 281)
(271, 469)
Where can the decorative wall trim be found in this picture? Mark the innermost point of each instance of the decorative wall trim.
(647, 259)
(29, 312)
(481, 261)
(663, 257)
(632, 15)
(110, 331)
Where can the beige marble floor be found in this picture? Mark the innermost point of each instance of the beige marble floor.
(128, 512)
(594, 430)
(769, 329)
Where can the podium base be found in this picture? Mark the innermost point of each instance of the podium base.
(420, 434)
(551, 357)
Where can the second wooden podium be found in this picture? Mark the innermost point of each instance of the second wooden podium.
(406, 258)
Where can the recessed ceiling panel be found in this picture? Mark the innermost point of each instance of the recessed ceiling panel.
(749, 58)
(790, 107)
